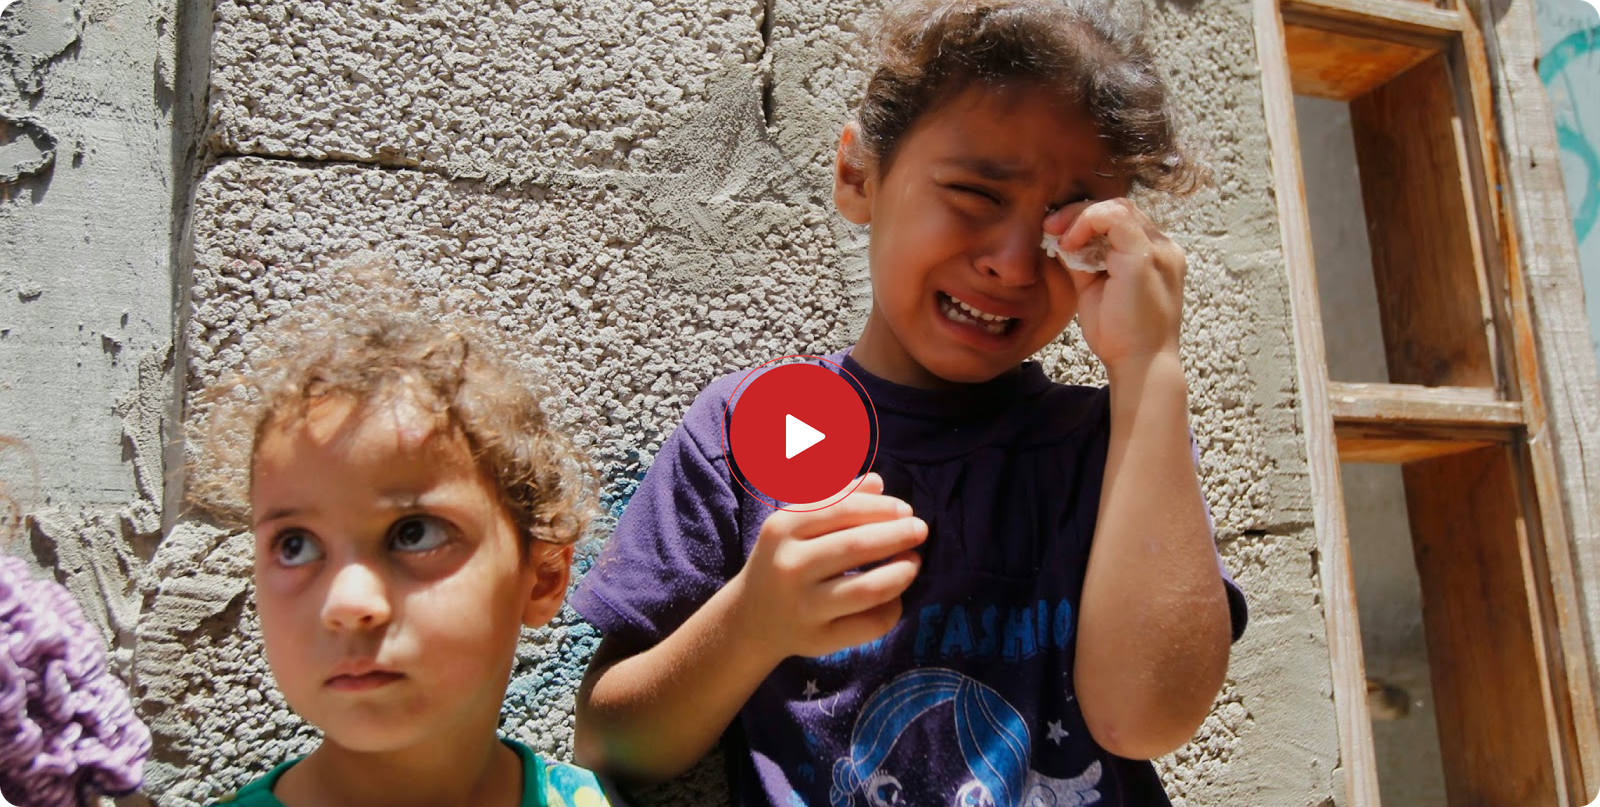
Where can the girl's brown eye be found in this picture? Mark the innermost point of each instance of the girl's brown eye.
(418, 534)
(296, 548)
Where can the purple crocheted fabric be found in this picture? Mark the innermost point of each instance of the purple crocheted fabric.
(67, 730)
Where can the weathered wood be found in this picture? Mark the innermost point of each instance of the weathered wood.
(1395, 20)
(1448, 220)
(1339, 66)
(1347, 667)
(1397, 424)
(1425, 259)
(1384, 447)
(1570, 698)
(1540, 242)
(1433, 406)
(1470, 546)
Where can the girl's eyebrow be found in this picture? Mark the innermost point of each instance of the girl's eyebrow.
(401, 499)
(396, 499)
(279, 513)
(993, 170)
(1002, 171)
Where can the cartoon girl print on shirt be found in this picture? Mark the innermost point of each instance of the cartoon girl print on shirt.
(993, 738)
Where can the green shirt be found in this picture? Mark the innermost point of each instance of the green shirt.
(544, 784)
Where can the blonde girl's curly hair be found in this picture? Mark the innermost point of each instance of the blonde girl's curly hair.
(369, 337)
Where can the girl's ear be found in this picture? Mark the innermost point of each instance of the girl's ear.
(852, 191)
(554, 570)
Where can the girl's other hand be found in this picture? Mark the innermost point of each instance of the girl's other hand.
(805, 590)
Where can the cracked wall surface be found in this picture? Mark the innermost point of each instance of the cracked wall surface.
(85, 269)
(87, 132)
(637, 194)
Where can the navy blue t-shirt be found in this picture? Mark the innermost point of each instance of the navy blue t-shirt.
(969, 699)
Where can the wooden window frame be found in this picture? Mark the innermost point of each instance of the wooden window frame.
(1406, 423)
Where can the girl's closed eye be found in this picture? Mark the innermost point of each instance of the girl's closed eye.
(294, 548)
(977, 193)
(419, 534)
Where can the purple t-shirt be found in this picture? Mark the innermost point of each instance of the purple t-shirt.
(969, 700)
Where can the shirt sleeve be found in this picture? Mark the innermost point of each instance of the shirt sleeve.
(1238, 609)
(677, 541)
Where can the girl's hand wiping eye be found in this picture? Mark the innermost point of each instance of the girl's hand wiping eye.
(1132, 309)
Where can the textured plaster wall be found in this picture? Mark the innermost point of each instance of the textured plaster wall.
(637, 193)
(84, 244)
(92, 123)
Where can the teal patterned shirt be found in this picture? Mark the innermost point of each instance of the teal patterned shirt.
(545, 784)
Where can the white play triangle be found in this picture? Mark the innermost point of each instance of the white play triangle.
(798, 436)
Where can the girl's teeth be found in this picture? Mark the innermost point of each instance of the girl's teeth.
(975, 313)
(958, 311)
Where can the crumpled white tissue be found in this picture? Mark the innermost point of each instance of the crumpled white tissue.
(1091, 258)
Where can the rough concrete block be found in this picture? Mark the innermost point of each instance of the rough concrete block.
(471, 88)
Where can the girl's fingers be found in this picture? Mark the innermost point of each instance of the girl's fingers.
(870, 483)
(854, 593)
(863, 627)
(1057, 225)
(1083, 281)
(1171, 261)
(839, 552)
(1057, 221)
(808, 520)
(856, 509)
(873, 483)
(1118, 220)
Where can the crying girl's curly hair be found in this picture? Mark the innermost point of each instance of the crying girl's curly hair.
(368, 337)
(924, 52)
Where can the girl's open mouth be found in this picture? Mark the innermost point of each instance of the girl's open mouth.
(966, 314)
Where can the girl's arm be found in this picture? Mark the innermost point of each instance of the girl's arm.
(1153, 629)
(650, 713)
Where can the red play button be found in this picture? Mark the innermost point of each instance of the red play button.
(799, 433)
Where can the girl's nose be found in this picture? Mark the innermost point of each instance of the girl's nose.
(1013, 255)
(357, 599)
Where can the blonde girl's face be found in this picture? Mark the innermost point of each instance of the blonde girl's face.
(961, 290)
(390, 581)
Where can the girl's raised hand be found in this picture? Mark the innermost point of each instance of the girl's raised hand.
(1134, 309)
(821, 580)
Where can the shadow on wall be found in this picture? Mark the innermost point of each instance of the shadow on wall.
(27, 148)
